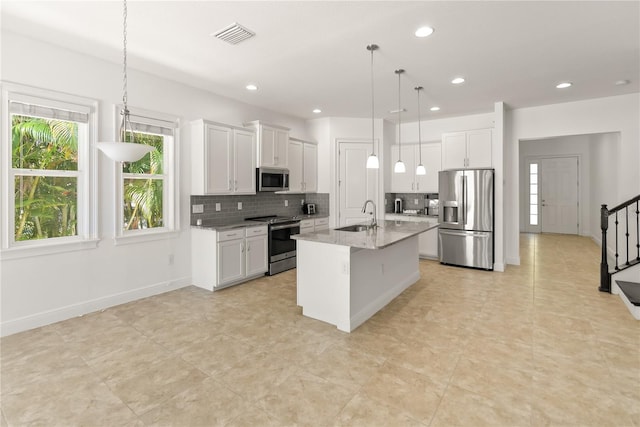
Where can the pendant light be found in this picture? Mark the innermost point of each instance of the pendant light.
(420, 169)
(122, 151)
(399, 167)
(372, 161)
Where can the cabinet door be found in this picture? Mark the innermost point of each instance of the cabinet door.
(403, 182)
(267, 146)
(281, 153)
(218, 166)
(256, 255)
(431, 159)
(310, 168)
(295, 166)
(428, 244)
(244, 161)
(454, 150)
(479, 148)
(230, 261)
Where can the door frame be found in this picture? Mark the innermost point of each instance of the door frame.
(525, 204)
(336, 197)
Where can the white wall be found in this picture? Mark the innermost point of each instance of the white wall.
(44, 289)
(595, 116)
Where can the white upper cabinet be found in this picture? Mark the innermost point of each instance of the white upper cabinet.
(223, 159)
(303, 166)
(469, 149)
(409, 182)
(273, 144)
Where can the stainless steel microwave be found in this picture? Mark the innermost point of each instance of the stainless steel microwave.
(272, 179)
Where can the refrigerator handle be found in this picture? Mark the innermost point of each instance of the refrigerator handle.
(464, 200)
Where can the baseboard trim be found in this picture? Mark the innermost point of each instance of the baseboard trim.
(44, 318)
(513, 260)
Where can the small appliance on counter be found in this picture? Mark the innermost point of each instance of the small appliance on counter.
(309, 209)
(397, 206)
(433, 207)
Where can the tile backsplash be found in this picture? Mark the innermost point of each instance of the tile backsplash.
(254, 205)
(409, 200)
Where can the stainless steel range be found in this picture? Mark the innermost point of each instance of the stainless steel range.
(282, 249)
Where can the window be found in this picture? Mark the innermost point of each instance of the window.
(46, 164)
(146, 188)
(533, 194)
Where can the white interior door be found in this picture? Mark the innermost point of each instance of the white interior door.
(356, 183)
(559, 195)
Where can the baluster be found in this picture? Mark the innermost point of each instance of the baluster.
(626, 214)
(617, 268)
(605, 283)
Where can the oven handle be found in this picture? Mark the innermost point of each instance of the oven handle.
(282, 227)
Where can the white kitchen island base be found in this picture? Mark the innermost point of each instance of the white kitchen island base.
(346, 285)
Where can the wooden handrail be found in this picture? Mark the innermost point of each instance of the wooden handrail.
(623, 205)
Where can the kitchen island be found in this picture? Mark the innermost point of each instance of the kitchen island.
(345, 277)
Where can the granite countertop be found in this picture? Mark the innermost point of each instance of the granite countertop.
(222, 225)
(419, 215)
(388, 233)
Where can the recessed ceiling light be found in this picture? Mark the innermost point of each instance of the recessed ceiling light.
(317, 110)
(457, 80)
(435, 108)
(622, 82)
(424, 31)
(251, 87)
(564, 85)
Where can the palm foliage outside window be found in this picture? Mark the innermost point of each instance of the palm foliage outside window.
(143, 186)
(45, 175)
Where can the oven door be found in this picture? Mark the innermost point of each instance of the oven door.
(281, 245)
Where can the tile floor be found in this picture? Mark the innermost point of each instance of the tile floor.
(536, 345)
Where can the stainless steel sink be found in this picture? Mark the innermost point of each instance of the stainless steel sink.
(355, 228)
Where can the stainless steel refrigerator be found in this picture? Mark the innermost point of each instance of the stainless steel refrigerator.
(465, 236)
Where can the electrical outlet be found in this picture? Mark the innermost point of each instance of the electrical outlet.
(197, 209)
(301, 202)
(239, 206)
(218, 207)
(286, 203)
(415, 201)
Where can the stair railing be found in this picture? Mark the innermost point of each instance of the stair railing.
(605, 274)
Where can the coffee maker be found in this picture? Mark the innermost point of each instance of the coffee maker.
(397, 206)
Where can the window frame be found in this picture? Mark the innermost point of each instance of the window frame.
(170, 187)
(87, 236)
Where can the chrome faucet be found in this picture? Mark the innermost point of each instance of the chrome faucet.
(374, 222)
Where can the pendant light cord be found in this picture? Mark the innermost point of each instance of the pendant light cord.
(373, 141)
(419, 130)
(124, 54)
(126, 119)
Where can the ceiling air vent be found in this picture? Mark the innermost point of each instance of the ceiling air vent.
(234, 33)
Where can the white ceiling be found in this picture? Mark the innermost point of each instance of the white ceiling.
(309, 54)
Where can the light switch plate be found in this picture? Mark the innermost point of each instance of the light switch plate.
(286, 203)
(197, 209)
(218, 207)
(239, 206)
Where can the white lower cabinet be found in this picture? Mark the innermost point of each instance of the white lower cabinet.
(427, 241)
(228, 257)
(321, 224)
(310, 225)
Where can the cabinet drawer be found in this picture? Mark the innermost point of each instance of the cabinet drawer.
(237, 233)
(322, 222)
(306, 223)
(256, 231)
